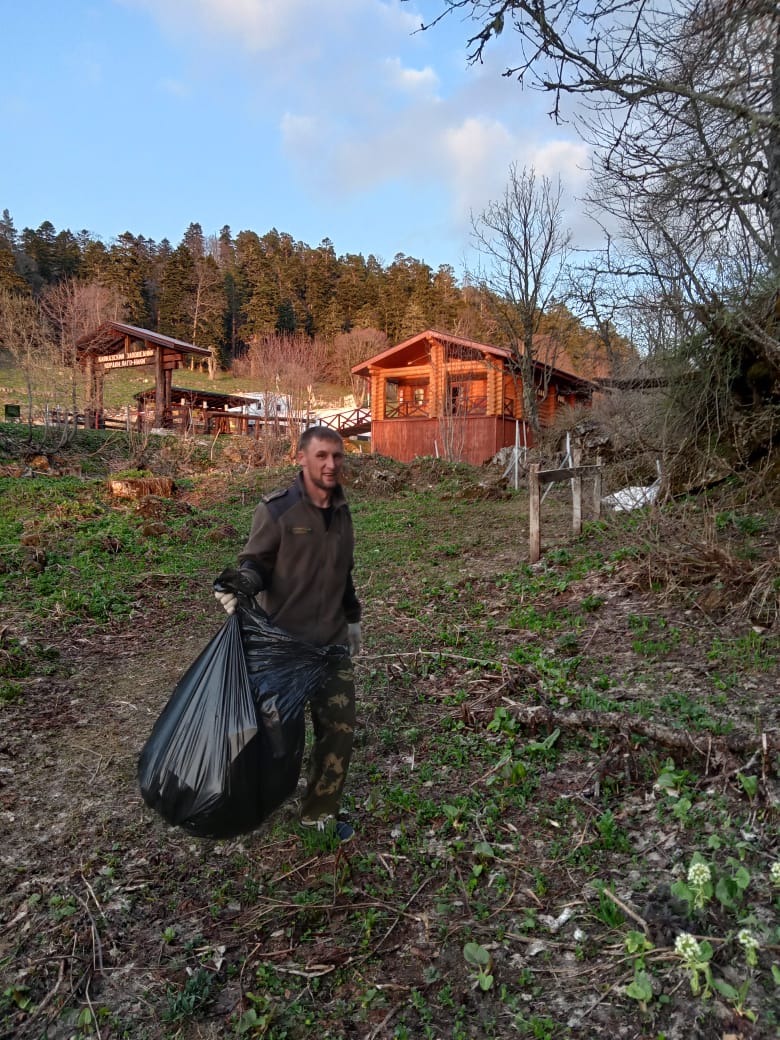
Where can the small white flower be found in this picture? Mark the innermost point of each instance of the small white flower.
(746, 938)
(686, 946)
(774, 873)
(699, 875)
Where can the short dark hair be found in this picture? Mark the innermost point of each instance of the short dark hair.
(322, 433)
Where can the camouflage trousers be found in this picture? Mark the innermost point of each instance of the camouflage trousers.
(333, 720)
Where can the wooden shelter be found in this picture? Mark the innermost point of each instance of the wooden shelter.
(114, 345)
(438, 394)
(210, 412)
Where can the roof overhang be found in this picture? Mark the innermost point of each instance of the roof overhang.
(114, 336)
(413, 351)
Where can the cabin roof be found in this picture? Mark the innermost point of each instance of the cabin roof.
(213, 397)
(111, 335)
(414, 351)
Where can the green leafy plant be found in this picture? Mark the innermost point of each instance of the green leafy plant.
(698, 889)
(749, 784)
(193, 997)
(695, 957)
(640, 988)
(478, 958)
(730, 888)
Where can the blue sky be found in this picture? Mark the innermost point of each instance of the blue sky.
(322, 118)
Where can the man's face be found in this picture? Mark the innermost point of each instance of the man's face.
(321, 462)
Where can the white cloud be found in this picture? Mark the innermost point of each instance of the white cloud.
(288, 27)
(480, 153)
(477, 154)
(410, 80)
(301, 137)
(255, 24)
(361, 102)
(569, 159)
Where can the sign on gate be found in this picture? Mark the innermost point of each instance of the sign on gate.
(129, 360)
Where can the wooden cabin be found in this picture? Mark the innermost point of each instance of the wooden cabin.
(438, 394)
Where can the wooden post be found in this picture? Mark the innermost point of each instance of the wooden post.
(576, 505)
(597, 492)
(438, 380)
(534, 550)
(168, 395)
(576, 493)
(99, 375)
(159, 387)
(89, 404)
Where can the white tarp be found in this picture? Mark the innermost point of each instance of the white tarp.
(632, 497)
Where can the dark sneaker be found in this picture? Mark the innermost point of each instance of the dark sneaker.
(344, 831)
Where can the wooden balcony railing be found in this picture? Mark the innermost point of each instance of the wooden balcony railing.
(406, 410)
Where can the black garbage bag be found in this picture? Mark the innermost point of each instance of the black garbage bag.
(284, 673)
(227, 749)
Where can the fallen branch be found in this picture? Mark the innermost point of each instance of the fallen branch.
(626, 910)
(737, 742)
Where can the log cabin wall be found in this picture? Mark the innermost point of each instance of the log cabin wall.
(378, 392)
(438, 378)
(482, 437)
(546, 406)
(495, 390)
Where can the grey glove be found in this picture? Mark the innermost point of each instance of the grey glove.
(228, 600)
(354, 639)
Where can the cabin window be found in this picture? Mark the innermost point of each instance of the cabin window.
(468, 397)
(391, 400)
(405, 400)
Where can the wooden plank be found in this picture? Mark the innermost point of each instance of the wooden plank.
(576, 506)
(597, 495)
(550, 476)
(534, 526)
(576, 493)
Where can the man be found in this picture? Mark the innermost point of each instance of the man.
(298, 562)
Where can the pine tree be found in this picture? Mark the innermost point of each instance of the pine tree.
(10, 278)
(177, 295)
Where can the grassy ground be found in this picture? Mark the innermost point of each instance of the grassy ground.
(559, 770)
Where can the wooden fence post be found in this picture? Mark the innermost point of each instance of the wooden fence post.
(533, 513)
(575, 475)
(576, 493)
(597, 492)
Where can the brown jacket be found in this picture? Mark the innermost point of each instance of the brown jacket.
(303, 567)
